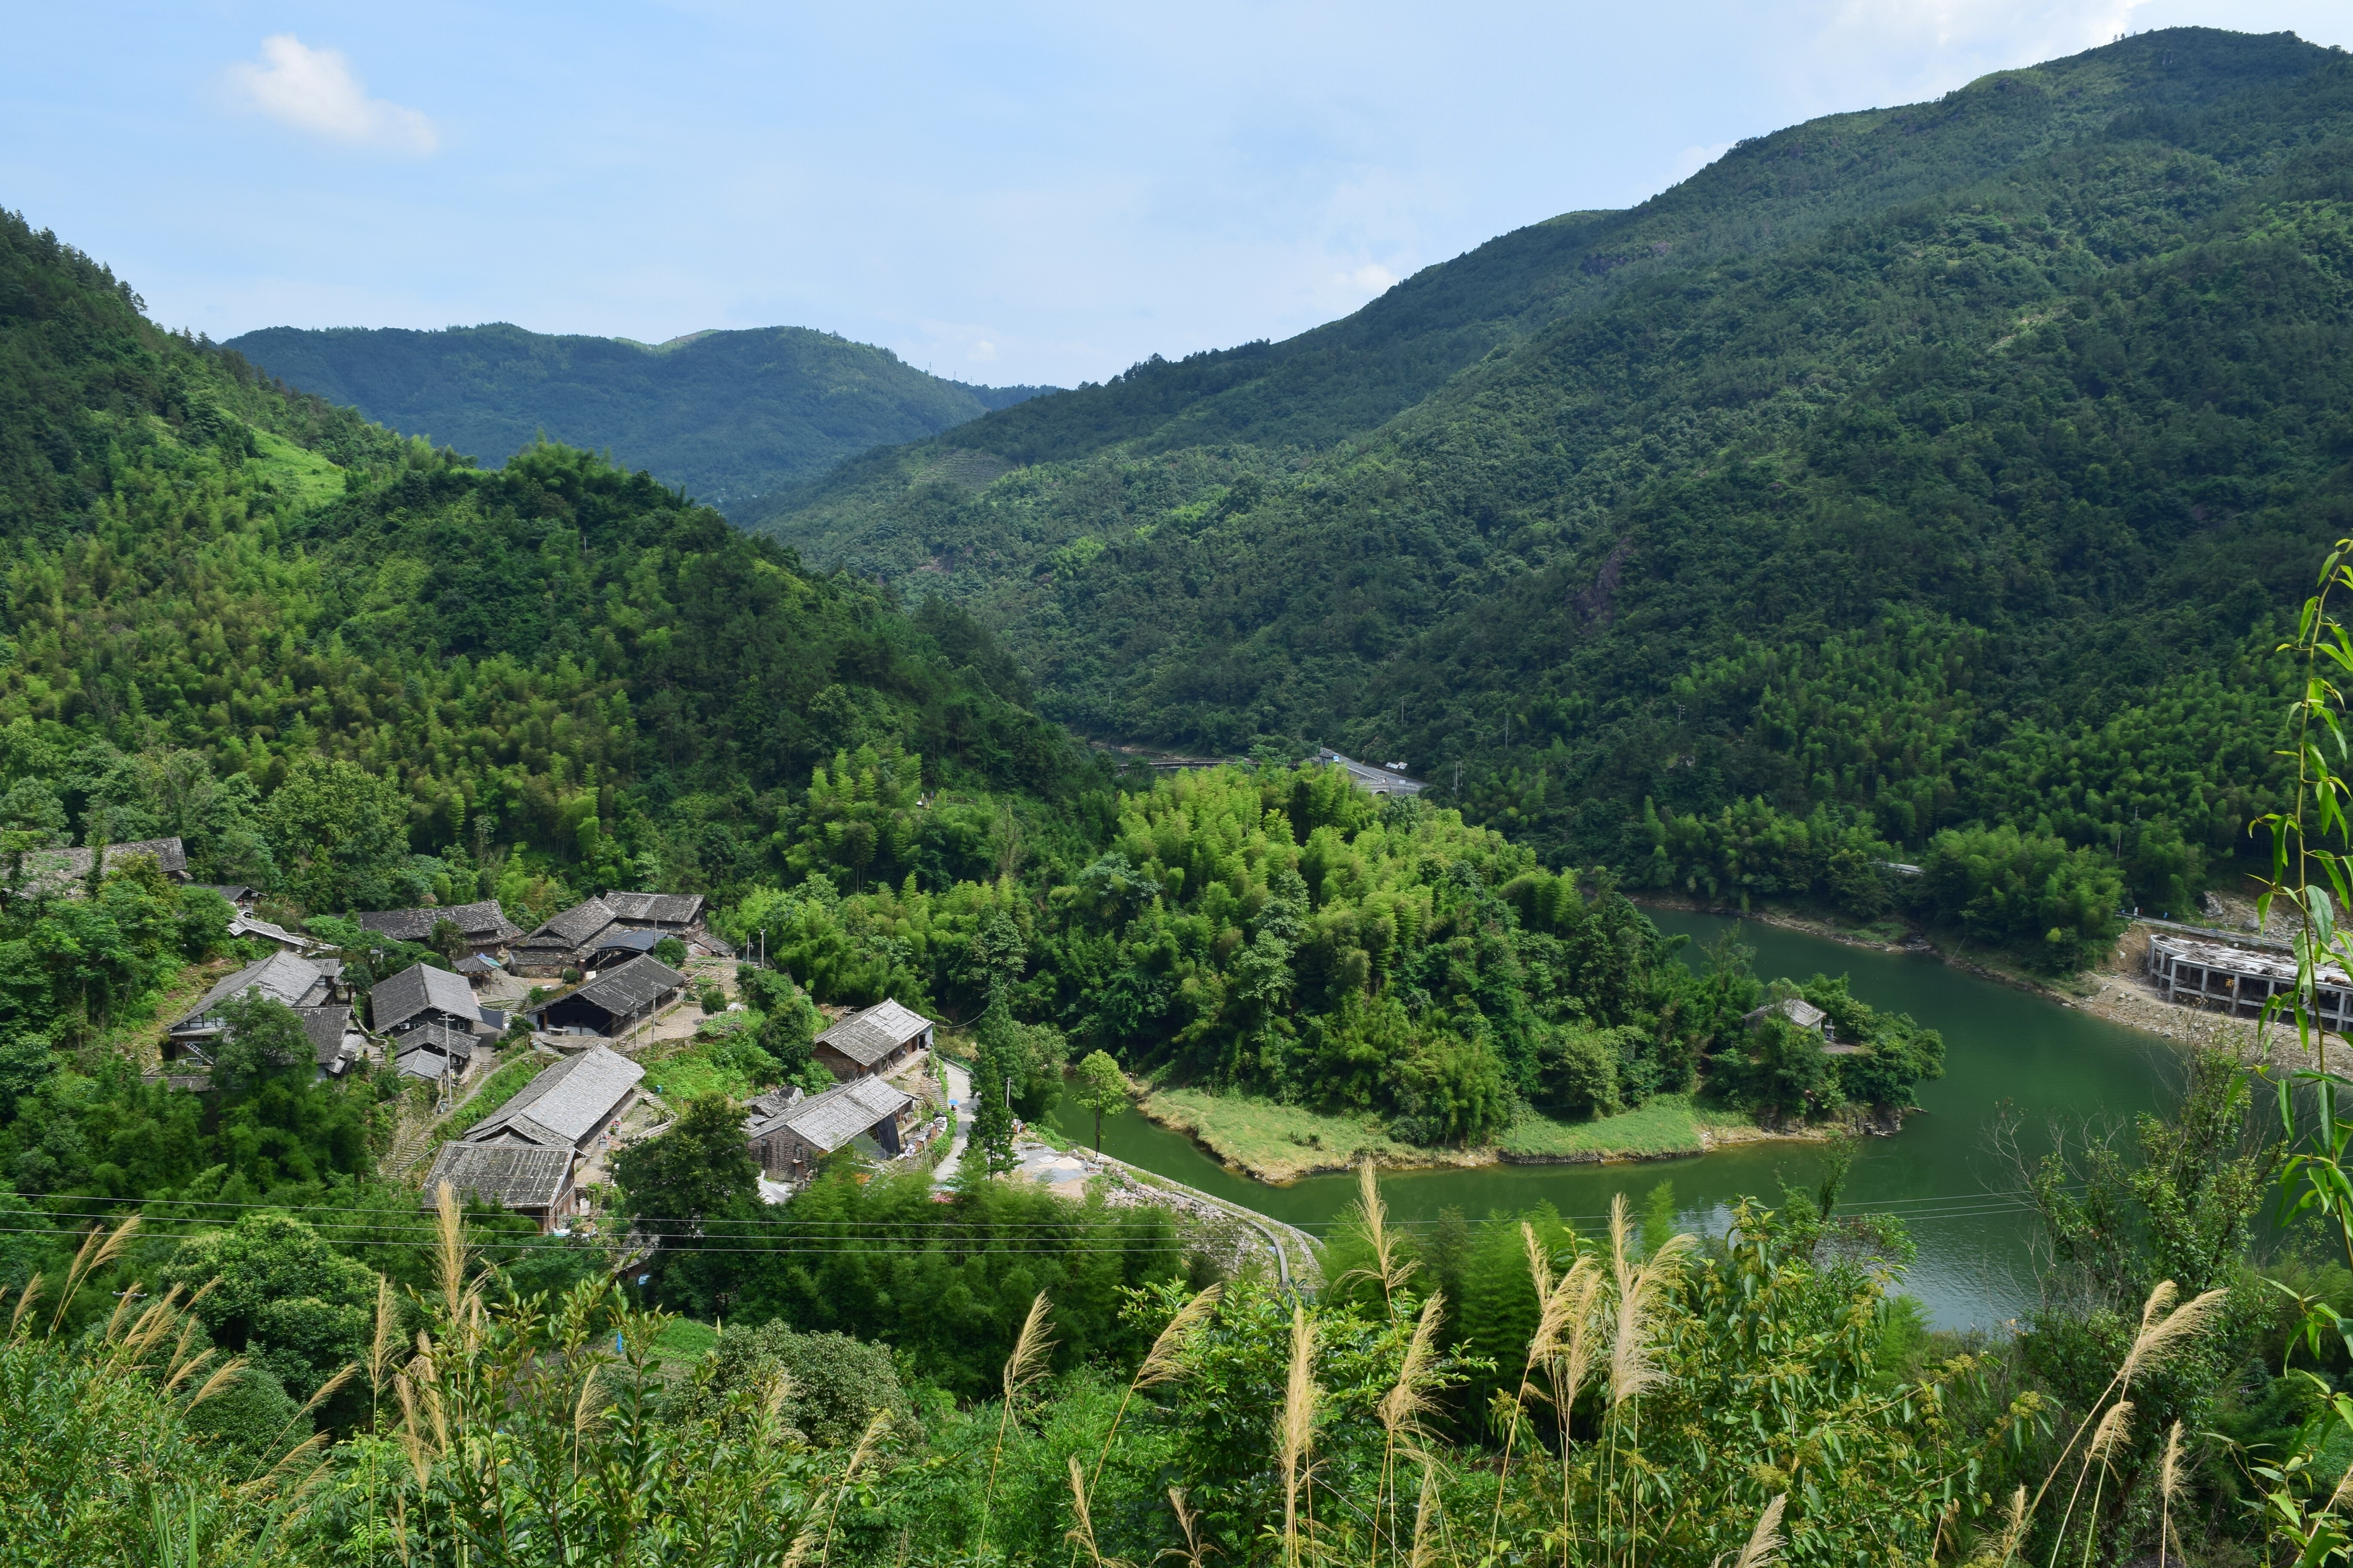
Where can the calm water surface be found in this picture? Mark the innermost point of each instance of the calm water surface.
(2003, 1050)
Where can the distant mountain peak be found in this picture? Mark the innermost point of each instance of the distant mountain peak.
(747, 412)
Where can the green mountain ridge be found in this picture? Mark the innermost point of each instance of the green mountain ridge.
(731, 415)
(1932, 467)
(356, 670)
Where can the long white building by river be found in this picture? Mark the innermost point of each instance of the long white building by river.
(2239, 981)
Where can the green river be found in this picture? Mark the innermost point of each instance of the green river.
(2002, 1049)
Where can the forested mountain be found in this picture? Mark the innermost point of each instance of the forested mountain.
(1903, 470)
(354, 669)
(729, 415)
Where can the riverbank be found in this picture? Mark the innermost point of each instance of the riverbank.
(2117, 990)
(1277, 1143)
(1891, 935)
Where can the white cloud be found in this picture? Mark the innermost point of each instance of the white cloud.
(1692, 160)
(1923, 47)
(982, 351)
(314, 90)
(1371, 278)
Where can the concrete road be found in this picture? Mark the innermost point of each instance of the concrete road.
(959, 1086)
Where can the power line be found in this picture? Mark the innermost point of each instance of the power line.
(1939, 1206)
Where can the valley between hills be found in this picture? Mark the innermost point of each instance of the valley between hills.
(503, 835)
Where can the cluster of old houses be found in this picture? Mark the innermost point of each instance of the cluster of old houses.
(527, 1157)
(429, 1021)
(432, 1023)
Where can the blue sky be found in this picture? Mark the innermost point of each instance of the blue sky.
(1017, 192)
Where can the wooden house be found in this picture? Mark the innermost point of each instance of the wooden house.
(281, 977)
(483, 926)
(626, 924)
(527, 1180)
(788, 1133)
(571, 1105)
(614, 1003)
(873, 1040)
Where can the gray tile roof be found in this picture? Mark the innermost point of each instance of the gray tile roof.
(826, 1121)
(867, 1037)
(325, 1026)
(503, 1174)
(661, 908)
(483, 922)
(442, 1037)
(420, 988)
(565, 1106)
(628, 942)
(630, 987)
(60, 870)
(1797, 1009)
(241, 924)
(574, 925)
(281, 978)
(423, 1063)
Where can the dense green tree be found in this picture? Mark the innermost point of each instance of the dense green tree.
(259, 1039)
(280, 1296)
(1102, 1090)
(699, 1166)
(836, 1383)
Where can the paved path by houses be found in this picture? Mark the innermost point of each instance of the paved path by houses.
(959, 1084)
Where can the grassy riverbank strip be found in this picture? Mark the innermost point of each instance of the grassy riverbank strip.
(1277, 1143)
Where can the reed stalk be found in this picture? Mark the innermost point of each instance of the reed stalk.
(1298, 1429)
(2105, 1438)
(1391, 1270)
(1163, 1363)
(1553, 1304)
(2169, 1487)
(1024, 1367)
(1765, 1539)
(1403, 1407)
(2162, 1333)
(857, 1456)
(1196, 1554)
(95, 1255)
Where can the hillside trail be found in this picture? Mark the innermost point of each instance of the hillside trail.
(959, 1084)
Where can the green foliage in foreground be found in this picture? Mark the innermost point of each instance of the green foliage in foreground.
(1281, 933)
(1522, 1393)
(1933, 468)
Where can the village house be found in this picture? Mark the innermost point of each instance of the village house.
(66, 872)
(673, 914)
(571, 1105)
(873, 1040)
(533, 1182)
(616, 947)
(789, 1133)
(431, 1021)
(237, 893)
(1806, 1015)
(483, 927)
(616, 924)
(241, 924)
(614, 1003)
(335, 1039)
(281, 977)
(2239, 981)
